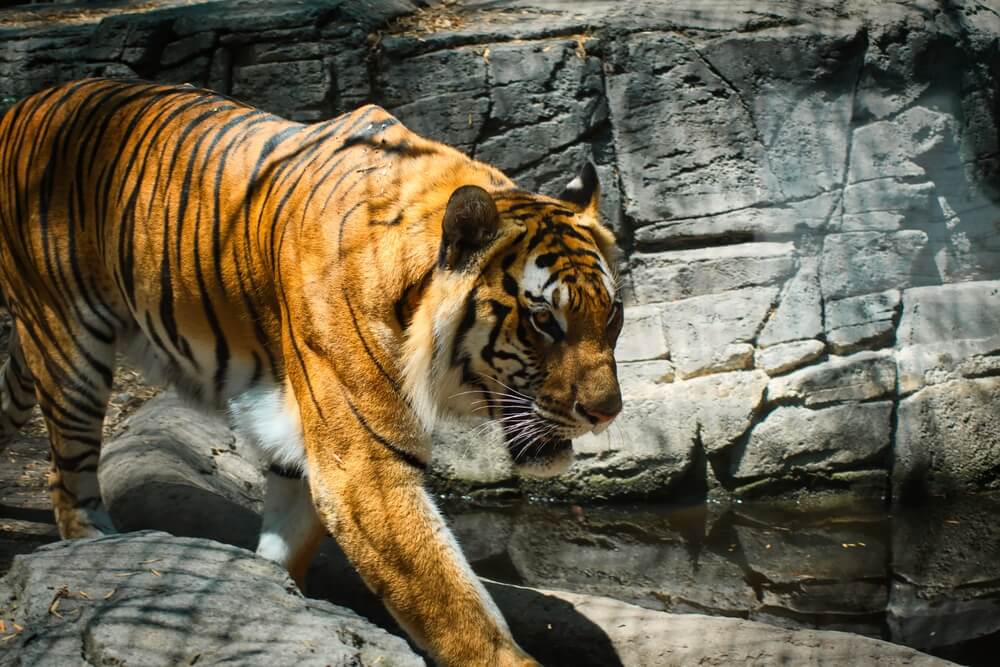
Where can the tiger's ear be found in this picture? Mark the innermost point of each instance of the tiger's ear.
(584, 190)
(470, 223)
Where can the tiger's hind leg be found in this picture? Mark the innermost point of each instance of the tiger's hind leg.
(17, 392)
(73, 372)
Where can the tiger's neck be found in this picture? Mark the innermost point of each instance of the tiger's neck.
(363, 272)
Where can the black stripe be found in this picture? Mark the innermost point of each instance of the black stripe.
(405, 456)
(364, 343)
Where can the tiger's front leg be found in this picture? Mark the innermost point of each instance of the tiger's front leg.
(375, 505)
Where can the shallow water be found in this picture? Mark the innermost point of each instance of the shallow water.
(925, 577)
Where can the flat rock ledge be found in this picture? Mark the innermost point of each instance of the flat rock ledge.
(149, 598)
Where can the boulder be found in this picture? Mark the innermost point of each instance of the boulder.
(149, 598)
(168, 455)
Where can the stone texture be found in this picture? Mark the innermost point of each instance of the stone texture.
(794, 440)
(644, 637)
(167, 454)
(642, 335)
(150, 598)
(712, 334)
(945, 588)
(757, 223)
(866, 321)
(681, 274)
(786, 357)
(933, 363)
(935, 426)
(265, 85)
(950, 312)
(861, 376)
(799, 313)
(595, 553)
(861, 262)
(638, 378)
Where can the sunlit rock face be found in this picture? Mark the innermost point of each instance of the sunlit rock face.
(806, 199)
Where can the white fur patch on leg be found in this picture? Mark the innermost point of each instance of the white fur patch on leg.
(289, 520)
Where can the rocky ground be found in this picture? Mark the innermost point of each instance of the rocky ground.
(148, 598)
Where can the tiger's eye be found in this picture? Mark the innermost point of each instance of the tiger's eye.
(543, 316)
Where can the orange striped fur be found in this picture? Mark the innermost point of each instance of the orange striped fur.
(332, 287)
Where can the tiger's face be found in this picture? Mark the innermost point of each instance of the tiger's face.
(535, 345)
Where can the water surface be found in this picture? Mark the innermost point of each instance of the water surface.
(925, 577)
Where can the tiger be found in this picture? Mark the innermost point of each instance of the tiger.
(332, 288)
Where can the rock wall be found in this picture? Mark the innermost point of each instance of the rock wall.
(807, 199)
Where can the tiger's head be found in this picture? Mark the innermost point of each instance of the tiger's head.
(525, 320)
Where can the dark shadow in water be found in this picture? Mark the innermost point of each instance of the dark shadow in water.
(925, 577)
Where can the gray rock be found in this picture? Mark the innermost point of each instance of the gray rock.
(685, 141)
(264, 86)
(712, 334)
(893, 149)
(934, 428)
(168, 455)
(757, 223)
(946, 584)
(805, 128)
(862, 262)
(149, 598)
(718, 408)
(681, 274)
(794, 440)
(642, 377)
(799, 314)
(785, 357)
(950, 312)
(593, 554)
(859, 322)
(184, 49)
(640, 454)
(470, 451)
(861, 376)
(642, 335)
(645, 637)
(941, 361)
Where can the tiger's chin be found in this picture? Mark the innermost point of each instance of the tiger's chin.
(542, 459)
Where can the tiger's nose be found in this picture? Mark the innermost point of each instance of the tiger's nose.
(601, 411)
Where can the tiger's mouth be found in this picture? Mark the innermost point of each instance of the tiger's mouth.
(534, 449)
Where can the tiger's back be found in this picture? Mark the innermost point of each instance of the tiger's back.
(149, 212)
